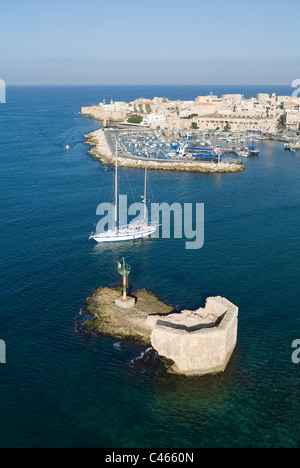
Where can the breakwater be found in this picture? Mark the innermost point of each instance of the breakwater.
(102, 150)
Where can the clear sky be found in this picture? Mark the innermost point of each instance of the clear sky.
(150, 42)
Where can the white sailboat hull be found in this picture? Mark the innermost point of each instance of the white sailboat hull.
(123, 236)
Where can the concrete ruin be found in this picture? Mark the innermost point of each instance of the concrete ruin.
(198, 342)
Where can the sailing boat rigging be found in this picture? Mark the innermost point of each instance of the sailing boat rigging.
(137, 230)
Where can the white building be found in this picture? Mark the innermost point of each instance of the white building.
(154, 120)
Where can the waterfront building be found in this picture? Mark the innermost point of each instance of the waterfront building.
(237, 124)
(261, 113)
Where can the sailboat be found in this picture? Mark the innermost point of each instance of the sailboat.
(252, 150)
(137, 230)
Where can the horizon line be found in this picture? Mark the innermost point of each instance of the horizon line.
(149, 84)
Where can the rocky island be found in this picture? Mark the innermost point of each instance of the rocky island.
(195, 342)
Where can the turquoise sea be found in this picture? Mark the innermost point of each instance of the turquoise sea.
(61, 389)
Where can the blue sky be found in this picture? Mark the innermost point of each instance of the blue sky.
(155, 42)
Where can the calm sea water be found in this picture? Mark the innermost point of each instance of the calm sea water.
(60, 389)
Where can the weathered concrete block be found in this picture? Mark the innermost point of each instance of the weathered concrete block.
(130, 302)
(199, 342)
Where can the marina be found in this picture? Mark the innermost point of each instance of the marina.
(184, 150)
(148, 150)
(170, 145)
(293, 145)
(165, 145)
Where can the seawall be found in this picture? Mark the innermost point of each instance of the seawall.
(102, 151)
(100, 114)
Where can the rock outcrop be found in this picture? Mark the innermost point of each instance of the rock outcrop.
(130, 324)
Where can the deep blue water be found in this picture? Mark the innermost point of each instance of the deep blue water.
(60, 389)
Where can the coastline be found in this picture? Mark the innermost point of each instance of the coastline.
(102, 151)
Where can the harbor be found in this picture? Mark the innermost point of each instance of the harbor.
(170, 145)
(209, 129)
(189, 145)
(156, 150)
(293, 145)
(196, 150)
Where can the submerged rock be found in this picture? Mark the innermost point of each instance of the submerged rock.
(146, 361)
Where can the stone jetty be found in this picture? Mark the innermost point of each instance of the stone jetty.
(102, 151)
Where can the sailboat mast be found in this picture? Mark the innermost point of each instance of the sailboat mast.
(116, 188)
(145, 197)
